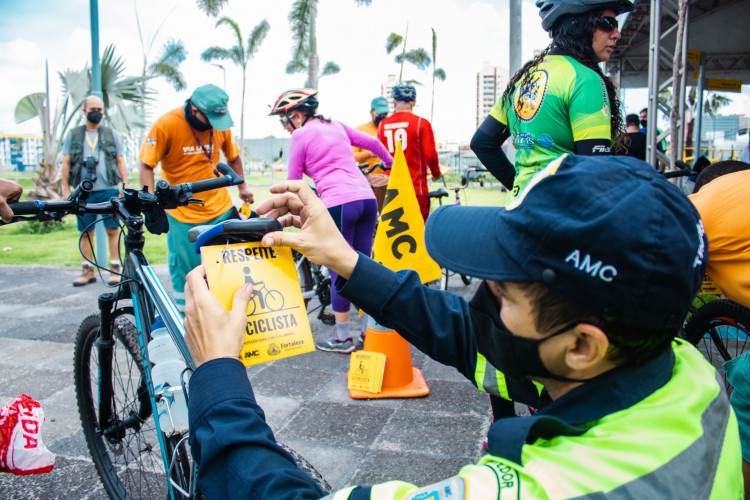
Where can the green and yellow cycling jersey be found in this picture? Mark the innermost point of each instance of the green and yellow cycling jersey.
(564, 102)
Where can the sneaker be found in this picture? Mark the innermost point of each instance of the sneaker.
(87, 276)
(332, 344)
(359, 345)
(114, 275)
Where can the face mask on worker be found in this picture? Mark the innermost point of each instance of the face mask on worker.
(516, 357)
(379, 118)
(94, 116)
(193, 120)
(643, 123)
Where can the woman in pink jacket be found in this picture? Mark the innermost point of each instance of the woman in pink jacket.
(322, 150)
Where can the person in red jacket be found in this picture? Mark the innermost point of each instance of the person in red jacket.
(417, 141)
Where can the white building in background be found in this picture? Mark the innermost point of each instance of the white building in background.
(19, 151)
(491, 82)
(386, 90)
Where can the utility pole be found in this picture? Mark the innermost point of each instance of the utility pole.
(514, 45)
(96, 89)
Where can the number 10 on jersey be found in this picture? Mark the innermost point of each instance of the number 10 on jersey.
(393, 136)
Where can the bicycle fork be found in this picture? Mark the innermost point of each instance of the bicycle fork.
(112, 428)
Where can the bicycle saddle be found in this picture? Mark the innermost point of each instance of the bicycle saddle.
(232, 231)
(438, 193)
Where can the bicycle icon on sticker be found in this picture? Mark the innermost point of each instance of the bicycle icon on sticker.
(264, 299)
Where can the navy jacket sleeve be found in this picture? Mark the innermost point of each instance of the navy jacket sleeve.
(437, 323)
(236, 452)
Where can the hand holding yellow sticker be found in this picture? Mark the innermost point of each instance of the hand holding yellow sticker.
(277, 323)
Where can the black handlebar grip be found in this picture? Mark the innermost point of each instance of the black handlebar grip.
(25, 207)
(207, 185)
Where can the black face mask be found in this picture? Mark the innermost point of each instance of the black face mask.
(516, 357)
(379, 118)
(94, 116)
(643, 123)
(193, 120)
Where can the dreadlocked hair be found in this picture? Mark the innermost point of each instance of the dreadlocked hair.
(573, 36)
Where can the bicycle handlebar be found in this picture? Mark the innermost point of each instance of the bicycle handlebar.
(684, 170)
(164, 197)
(367, 169)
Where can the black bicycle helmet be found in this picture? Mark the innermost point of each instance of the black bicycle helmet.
(552, 10)
(300, 99)
(404, 92)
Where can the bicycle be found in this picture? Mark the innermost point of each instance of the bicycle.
(315, 281)
(438, 195)
(115, 392)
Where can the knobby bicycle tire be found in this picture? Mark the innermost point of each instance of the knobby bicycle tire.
(307, 467)
(129, 466)
(721, 331)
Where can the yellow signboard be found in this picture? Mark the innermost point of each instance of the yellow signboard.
(724, 85)
(709, 286)
(694, 56)
(399, 239)
(277, 323)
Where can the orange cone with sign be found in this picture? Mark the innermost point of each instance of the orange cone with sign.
(399, 244)
(400, 378)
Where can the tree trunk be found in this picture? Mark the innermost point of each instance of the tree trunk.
(242, 117)
(676, 106)
(313, 62)
(46, 182)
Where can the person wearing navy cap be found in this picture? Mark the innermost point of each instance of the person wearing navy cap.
(587, 276)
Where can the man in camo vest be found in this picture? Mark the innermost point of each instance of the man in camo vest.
(94, 152)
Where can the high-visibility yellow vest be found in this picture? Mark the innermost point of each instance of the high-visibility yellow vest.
(681, 441)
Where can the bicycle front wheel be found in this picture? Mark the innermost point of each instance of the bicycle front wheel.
(721, 331)
(126, 450)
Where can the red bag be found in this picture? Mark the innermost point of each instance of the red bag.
(22, 451)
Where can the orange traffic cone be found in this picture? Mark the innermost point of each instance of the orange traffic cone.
(400, 379)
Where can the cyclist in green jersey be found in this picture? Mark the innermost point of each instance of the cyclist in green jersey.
(560, 101)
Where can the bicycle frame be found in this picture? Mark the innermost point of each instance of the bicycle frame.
(149, 298)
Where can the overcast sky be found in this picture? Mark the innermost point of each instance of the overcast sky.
(469, 32)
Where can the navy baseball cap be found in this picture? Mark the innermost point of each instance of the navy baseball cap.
(610, 234)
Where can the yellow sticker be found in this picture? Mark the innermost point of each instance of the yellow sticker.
(277, 323)
(709, 287)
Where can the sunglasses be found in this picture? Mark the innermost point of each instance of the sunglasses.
(284, 120)
(607, 23)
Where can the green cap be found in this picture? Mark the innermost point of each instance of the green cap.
(212, 101)
(379, 105)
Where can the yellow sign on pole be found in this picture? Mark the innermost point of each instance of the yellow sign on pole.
(724, 85)
(277, 323)
(694, 56)
(399, 240)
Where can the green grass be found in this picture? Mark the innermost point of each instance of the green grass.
(60, 248)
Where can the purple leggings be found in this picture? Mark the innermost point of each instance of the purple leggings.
(356, 220)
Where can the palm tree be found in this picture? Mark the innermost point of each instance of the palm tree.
(437, 73)
(122, 96)
(167, 65)
(240, 55)
(418, 57)
(211, 7)
(303, 18)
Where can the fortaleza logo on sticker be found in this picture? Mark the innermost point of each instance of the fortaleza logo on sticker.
(277, 324)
